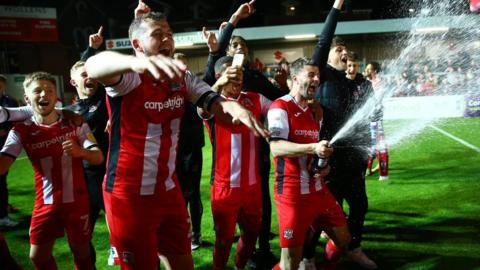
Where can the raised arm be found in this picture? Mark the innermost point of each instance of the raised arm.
(217, 48)
(224, 35)
(94, 42)
(213, 55)
(107, 67)
(320, 54)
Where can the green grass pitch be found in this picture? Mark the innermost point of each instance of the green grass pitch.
(426, 216)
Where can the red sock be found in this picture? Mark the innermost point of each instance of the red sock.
(277, 267)
(332, 252)
(245, 248)
(221, 252)
(83, 264)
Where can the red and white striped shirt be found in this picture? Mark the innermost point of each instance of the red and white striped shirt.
(288, 121)
(145, 119)
(235, 147)
(59, 178)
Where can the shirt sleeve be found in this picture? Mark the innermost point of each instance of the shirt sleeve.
(320, 53)
(127, 83)
(15, 114)
(278, 123)
(265, 104)
(85, 137)
(196, 87)
(89, 52)
(13, 145)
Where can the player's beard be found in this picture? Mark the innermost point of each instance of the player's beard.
(304, 90)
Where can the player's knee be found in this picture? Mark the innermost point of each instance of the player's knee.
(252, 231)
(223, 243)
(39, 260)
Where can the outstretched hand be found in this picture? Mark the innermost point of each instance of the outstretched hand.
(241, 115)
(96, 40)
(141, 9)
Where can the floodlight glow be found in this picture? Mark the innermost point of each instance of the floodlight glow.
(303, 36)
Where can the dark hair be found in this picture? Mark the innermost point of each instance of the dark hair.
(337, 41)
(3, 78)
(239, 37)
(220, 65)
(352, 56)
(136, 27)
(375, 65)
(297, 65)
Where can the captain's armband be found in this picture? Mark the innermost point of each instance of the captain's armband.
(210, 98)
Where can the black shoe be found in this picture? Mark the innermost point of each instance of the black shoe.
(12, 209)
(263, 260)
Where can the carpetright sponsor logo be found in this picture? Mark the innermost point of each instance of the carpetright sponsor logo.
(171, 103)
(315, 134)
(58, 139)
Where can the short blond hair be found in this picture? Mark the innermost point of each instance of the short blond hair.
(37, 76)
(76, 66)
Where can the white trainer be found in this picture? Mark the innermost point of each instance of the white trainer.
(382, 178)
(196, 242)
(8, 222)
(359, 257)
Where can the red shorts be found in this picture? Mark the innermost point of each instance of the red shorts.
(232, 205)
(296, 215)
(145, 226)
(50, 221)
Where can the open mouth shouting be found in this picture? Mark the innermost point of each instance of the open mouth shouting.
(164, 52)
(43, 104)
(90, 84)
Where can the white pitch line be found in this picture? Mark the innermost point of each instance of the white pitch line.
(467, 144)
